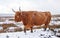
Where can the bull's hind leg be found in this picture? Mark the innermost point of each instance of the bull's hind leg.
(46, 26)
(47, 23)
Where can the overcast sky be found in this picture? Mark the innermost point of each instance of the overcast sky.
(39, 5)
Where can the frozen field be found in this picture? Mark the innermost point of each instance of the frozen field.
(38, 33)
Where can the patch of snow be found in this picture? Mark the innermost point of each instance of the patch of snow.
(7, 22)
(58, 34)
(37, 33)
(10, 29)
(57, 29)
(20, 24)
(54, 23)
(1, 28)
(1, 22)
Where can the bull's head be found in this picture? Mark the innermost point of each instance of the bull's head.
(17, 15)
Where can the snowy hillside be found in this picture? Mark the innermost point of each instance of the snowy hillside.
(38, 33)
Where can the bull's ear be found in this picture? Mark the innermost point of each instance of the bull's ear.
(13, 10)
(19, 9)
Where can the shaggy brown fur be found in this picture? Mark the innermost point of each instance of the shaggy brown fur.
(32, 18)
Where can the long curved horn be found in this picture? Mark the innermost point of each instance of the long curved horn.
(19, 9)
(13, 10)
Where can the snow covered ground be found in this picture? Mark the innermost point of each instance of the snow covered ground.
(54, 22)
(38, 33)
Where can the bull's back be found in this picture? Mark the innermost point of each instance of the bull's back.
(41, 17)
(38, 18)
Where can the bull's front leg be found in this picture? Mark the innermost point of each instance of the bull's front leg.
(31, 29)
(24, 29)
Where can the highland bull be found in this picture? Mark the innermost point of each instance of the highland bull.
(32, 18)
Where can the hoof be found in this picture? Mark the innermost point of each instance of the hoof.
(44, 29)
(31, 31)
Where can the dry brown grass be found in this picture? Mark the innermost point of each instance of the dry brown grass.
(2, 31)
(5, 26)
(18, 29)
(55, 26)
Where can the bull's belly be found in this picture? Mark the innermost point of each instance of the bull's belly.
(38, 22)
